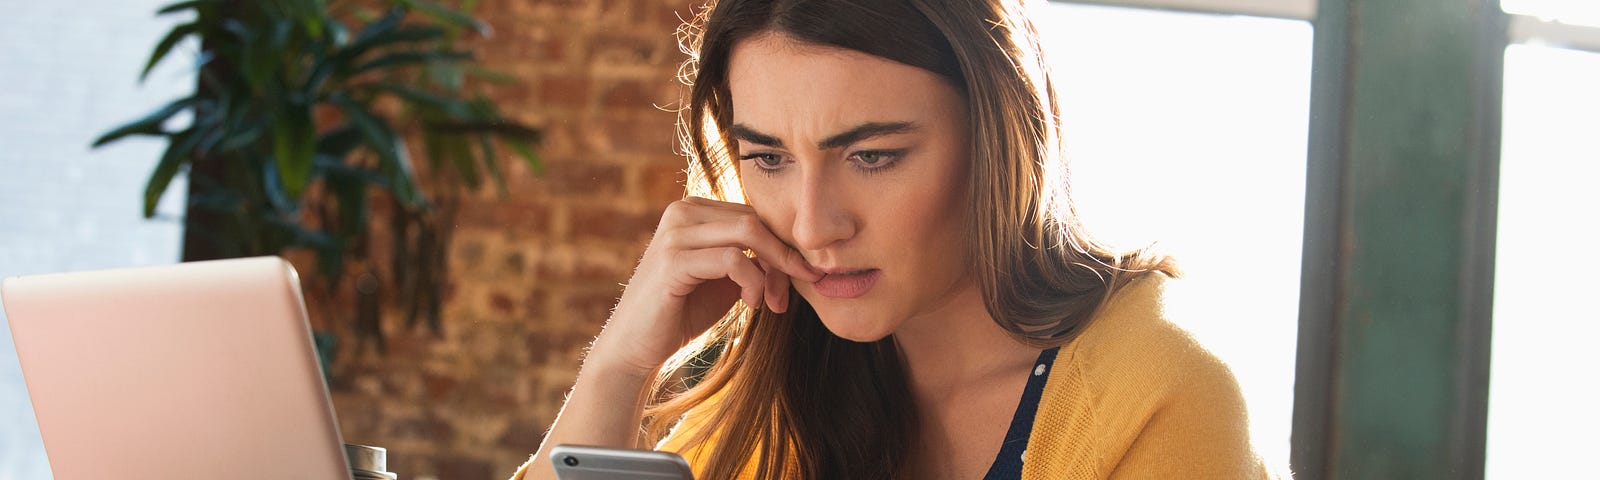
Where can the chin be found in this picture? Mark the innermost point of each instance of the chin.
(854, 325)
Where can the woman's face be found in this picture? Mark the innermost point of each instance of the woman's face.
(860, 163)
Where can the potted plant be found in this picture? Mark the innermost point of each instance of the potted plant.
(298, 123)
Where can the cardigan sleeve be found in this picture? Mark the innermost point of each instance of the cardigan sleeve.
(1138, 397)
(1200, 430)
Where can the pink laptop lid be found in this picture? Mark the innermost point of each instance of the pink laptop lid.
(197, 370)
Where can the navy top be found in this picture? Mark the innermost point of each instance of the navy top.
(1008, 464)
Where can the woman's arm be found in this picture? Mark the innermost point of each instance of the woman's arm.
(1201, 431)
(691, 274)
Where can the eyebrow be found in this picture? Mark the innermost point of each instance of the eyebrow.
(855, 134)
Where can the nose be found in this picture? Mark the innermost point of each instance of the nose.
(821, 216)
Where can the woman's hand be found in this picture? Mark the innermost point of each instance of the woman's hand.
(691, 274)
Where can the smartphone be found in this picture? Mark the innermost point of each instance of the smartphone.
(579, 462)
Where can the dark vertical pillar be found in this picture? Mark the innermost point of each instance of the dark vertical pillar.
(203, 237)
(1392, 375)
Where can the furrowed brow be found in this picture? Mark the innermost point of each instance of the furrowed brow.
(742, 132)
(865, 131)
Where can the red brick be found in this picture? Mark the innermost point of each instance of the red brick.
(576, 178)
(629, 94)
(501, 303)
(511, 215)
(428, 428)
(463, 467)
(651, 134)
(534, 303)
(609, 223)
(565, 91)
(589, 75)
(620, 46)
(632, 13)
(439, 387)
(672, 13)
(555, 49)
(597, 272)
(525, 434)
(663, 183)
(591, 307)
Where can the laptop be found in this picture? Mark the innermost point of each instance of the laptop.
(196, 370)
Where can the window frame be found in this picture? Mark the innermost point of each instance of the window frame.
(1524, 28)
(1470, 416)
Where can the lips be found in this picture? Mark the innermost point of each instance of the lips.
(847, 284)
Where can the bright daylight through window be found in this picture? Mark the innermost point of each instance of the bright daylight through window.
(1542, 382)
(1190, 130)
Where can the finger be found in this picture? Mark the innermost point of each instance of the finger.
(777, 290)
(746, 232)
(728, 262)
(706, 202)
(697, 210)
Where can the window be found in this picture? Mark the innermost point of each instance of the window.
(1542, 383)
(71, 73)
(1189, 129)
(1574, 12)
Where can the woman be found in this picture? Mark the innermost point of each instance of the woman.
(904, 292)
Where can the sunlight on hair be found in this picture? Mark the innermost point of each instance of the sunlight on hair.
(1190, 130)
(727, 176)
(1542, 385)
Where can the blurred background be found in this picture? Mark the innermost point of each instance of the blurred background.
(454, 279)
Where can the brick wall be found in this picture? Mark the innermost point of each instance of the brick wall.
(532, 275)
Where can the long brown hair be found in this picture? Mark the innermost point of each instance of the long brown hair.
(801, 402)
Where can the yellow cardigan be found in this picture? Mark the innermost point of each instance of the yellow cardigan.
(1133, 397)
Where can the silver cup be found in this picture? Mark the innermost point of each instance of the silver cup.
(368, 462)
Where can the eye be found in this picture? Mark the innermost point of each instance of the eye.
(876, 159)
(766, 162)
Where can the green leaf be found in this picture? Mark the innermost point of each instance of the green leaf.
(312, 23)
(339, 141)
(294, 147)
(273, 188)
(210, 136)
(178, 152)
(448, 15)
(378, 27)
(352, 197)
(402, 179)
(241, 139)
(447, 75)
(449, 106)
(329, 248)
(526, 153)
(392, 158)
(149, 124)
(374, 130)
(405, 34)
(489, 75)
(239, 30)
(335, 168)
(193, 4)
(165, 47)
(491, 164)
(460, 154)
(408, 58)
(342, 60)
(338, 36)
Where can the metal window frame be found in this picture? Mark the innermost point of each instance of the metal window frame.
(1457, 438)
(1290, 9)
(1525, 29)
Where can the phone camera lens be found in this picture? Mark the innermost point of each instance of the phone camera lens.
(570, 460)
